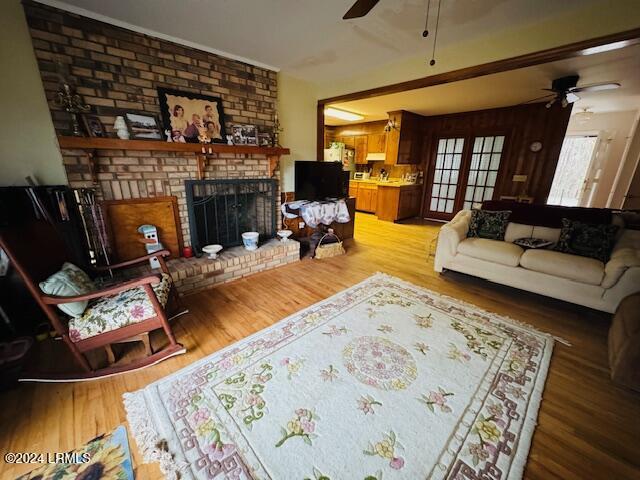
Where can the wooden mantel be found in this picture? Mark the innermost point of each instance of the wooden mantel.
(95, 143)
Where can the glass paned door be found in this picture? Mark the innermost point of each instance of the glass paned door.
(446, 174)
(483, 171)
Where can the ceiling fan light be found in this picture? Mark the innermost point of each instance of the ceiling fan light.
(342, 114)
(584, 116)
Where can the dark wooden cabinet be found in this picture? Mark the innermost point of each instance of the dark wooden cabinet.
(404, 141)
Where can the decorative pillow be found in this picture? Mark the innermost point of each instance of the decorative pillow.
(593, 240)
(488, 224)
(69, 282)
(529, 242)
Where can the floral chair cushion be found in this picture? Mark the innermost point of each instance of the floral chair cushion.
(119, 310)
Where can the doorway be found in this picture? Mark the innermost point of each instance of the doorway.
(464, 173)
(573, 181)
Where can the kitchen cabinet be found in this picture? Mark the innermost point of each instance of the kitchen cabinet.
(348, 140)
(360, 145)
(376, 142)
(404, 142)
(398, 202)
(366, 195)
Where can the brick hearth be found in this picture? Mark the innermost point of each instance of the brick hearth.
(194, 274)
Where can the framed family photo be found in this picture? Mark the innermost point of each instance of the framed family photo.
(244, 134)
(143, 126)
(93, 125)
(191, 115)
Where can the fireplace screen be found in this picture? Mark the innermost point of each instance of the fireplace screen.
(221, 210)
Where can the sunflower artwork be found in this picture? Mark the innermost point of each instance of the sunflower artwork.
(108, 458)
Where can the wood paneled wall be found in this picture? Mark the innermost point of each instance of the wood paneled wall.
(522, 125)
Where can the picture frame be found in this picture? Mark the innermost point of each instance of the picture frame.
(190, 115)
(245, 135)
(93, 126)
(264, 139)
(143, 126)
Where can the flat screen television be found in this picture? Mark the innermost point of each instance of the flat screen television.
(320, 180)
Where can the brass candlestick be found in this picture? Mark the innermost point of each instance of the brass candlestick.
(73, 104)
(276, 132)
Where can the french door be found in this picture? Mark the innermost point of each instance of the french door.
(463, 172)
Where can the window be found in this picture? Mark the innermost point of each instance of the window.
(445, 177)
(483, 172)
(570, 180)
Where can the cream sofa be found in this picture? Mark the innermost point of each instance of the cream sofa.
(575, 279)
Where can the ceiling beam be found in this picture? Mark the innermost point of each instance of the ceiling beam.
(577, 49)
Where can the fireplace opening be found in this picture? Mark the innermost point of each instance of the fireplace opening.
(221, 210)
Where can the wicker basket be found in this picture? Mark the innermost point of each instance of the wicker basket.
(330, 249)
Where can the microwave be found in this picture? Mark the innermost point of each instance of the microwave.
(361, 175)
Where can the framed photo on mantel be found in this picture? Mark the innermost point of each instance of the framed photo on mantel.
(190, 115)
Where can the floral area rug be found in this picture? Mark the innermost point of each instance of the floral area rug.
(106, 457)
(383, 380)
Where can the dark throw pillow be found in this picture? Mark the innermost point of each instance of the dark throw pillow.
(488, 224)
(593, 240)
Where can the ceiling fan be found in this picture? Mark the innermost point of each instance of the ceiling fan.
(565, 90)
(360, 9)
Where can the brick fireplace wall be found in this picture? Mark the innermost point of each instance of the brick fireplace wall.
(116, 71)
(124, 174)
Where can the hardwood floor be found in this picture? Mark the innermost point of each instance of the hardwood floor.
(588, 427)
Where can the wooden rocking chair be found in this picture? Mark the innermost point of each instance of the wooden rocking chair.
(36, 251)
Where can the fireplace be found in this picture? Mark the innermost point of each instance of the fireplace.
(221, 210)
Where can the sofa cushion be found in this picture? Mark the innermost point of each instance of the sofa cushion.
(70, 281)
(587, 239)
(564, 265)
(485, 224)
(495, 251)
(517, 230)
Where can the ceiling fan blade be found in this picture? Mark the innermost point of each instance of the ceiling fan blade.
(598, 87)
(571, 97)
(544, 97)
(360, 9)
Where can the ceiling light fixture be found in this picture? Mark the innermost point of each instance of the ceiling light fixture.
(391, 125)
(607, 47)
(342, 114)
(584, 116)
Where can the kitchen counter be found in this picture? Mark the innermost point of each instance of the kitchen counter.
(390, 200)
(387, 183)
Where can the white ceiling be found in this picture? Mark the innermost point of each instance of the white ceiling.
(514, 87)
(308, 38)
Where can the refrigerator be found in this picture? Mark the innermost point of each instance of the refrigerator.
(339, 153)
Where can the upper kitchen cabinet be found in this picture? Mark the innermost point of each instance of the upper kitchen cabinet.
(348, 140)
(376, 143)
(404, 140)
(360, 147)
